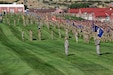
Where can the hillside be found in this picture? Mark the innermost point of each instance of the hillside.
(46, 56)
(9, 1)
(53, 4)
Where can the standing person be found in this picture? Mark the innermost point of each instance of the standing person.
(66, 33)
(38, 24)
(22, 35)
(14, 22)
(97, 43)
(52, 35)
(39, 34)
(75, 34)
(86, 36)
(31, 35)
(59, 32)
(66, 45)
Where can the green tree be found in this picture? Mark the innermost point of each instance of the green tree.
(79, 5)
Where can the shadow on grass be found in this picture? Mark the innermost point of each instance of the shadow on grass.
(106, 53)
(34, 39)
(38, 39)
(71, 54)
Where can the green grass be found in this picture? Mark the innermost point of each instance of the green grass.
(47, 57)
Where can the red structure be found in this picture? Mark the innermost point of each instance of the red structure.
(102, 14)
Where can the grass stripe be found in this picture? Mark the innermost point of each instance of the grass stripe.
(48, 55)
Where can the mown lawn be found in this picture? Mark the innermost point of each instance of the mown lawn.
(47, 57)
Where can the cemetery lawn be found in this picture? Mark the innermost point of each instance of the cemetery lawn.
(47, 57)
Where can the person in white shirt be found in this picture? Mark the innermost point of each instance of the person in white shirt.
(97, 43)
(22, 35)
(66, 45)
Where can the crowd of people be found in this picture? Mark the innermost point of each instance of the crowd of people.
(79, 28)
